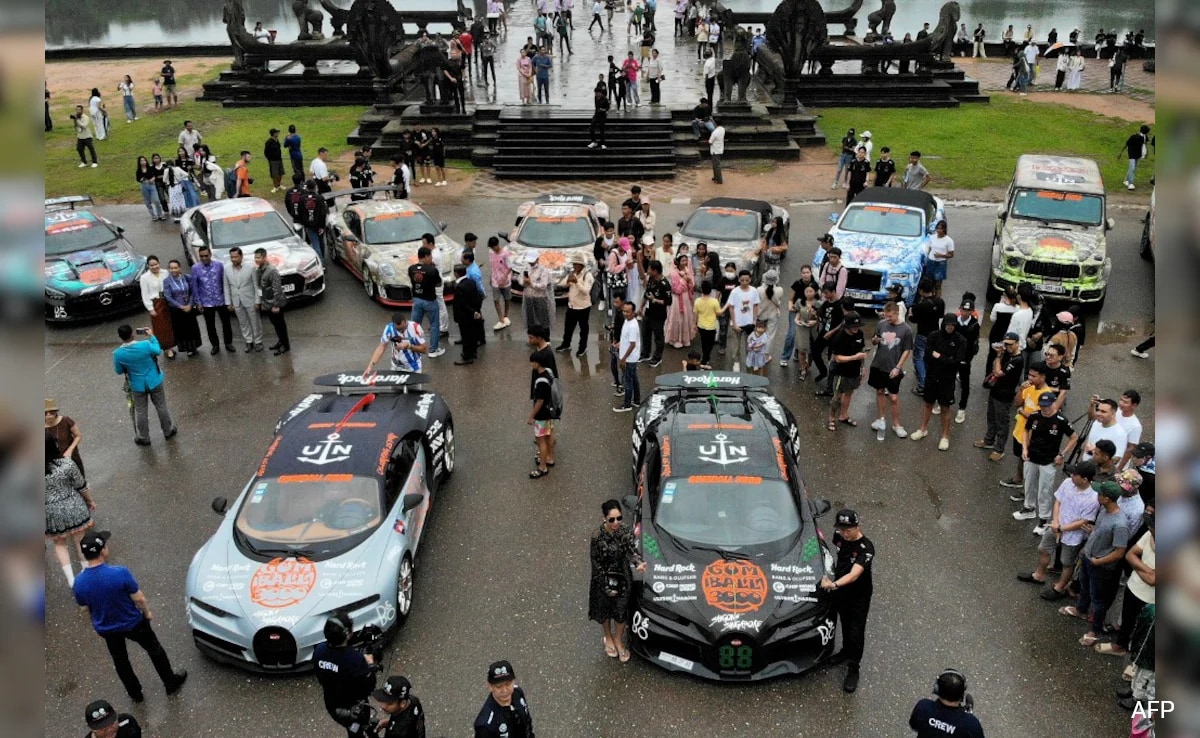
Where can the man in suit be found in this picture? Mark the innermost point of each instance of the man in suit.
(468, 305)
(271, 299)
(240, 294)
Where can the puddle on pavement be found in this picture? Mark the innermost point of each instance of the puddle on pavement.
(1109, 332)
(936, 499)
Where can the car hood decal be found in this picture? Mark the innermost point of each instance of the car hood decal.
(90, 269)
(873, 251)
(737, 251)
(722, 595)
(1063, 245)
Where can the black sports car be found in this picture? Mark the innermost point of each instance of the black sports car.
(91, 270)
(330, 521)
(728, 533)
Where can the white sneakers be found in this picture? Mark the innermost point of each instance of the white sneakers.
(899, 431)
(944, 444)
(1129, 185)
(918, 434)
(1139, 354)
(736, 367)
(440, 184)
(1041, 528)
(593, 145)
(960, 416)
(937, 409)
(879, 424)
(437, 352)
(499, 326)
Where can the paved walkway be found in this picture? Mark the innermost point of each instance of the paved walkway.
(994, 73)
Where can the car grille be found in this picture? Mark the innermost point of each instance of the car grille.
(219, 644)
(864, 279)
(1051, 270)
(275, 647)
(119, 299)
(398, 293)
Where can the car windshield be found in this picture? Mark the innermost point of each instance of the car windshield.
(399, 227)
(251, 228)
(555, 232)
(76, 235)
(722, 224)
(884, 220)
(728, 511)
(323, 515)
(1063, 207)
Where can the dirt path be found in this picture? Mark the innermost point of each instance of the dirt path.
(74, 80)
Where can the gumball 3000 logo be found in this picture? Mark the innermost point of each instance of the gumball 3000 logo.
(283, 582)
(734, 586)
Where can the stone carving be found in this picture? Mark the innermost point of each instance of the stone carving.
(337, 17)
(937, 44)
(234, 18)
(845, 16)
(374, 30)
(426, 64)
(941, 39)
(310, 20)
(795, 32)
(884, 16)
(736, 69)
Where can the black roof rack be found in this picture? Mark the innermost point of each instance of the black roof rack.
(353, 382)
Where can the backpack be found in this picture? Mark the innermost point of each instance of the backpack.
(555, 408)
(231, 182)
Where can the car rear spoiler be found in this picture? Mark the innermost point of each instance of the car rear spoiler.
(354, 382)
(707, 381)
(331, 196)
(69, 202)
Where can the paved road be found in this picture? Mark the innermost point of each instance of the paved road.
(504, 569)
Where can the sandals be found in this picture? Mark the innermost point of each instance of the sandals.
(610, 650)
(831, 425)
(538, 473)
(1089, 639)
(624, 655)
(1110, 649)
(849, 421)
(1071, 612)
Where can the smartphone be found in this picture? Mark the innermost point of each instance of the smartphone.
(142, 331)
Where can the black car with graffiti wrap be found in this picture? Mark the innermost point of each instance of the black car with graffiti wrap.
(732, 548)
(330, 522)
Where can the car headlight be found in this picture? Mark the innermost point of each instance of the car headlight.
(898, 277)
(387, 270)
(1091, 270)
(210, 609)
(1013, 262)
(54, 294)
(310, 265)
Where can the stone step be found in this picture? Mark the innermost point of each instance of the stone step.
(615, 169)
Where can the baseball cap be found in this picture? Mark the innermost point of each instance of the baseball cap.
(1046, 399)
(967, 305)
(1129, 479)
(852, 320)
(396, 688)
(532, 255)
(866, 134)
(846, 518)
(1143, 450)
(1085, 469)
(1109, 489)
(93, 543)
(1010, 336)
(500, 672)
(99, 714)
(272, 132)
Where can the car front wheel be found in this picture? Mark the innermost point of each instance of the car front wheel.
(369, 284)
(404, 590)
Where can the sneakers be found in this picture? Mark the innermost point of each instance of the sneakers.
(562, 349)
(880, 433)
(918, 434)
(736, 367)
(177, 682)
(654, 364)
(82, 165)
(783, 363)
(982, 444)
(899, 431)
(1041, 528)
(622, 409)
(833, 186)
(1130, 186)
(602, 146)
(1011, 482)
(443, 183)
(850, 685)
(960, 416)
(1025, 513)
(995, 456)
(944, 444)
(94, 165)
(1139, 354)
(879, 424)
(593, 145)
(437, 352)
(937, 409)
(274, 190)
(618, 392)
(499, 325)
(1017, 497)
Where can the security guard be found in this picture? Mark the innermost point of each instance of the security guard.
(505, 714)
(947, 715)
(851, 589)
(345, 674)
(104, 722)
(405, 716)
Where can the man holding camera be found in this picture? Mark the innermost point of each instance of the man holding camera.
(950, 713)
(407, 342)
(405, 718)
(346, 674)
(138, 361)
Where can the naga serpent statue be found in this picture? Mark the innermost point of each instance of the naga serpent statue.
(735, 72)
(375, 30)
(795, 31)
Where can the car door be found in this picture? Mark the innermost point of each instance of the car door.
(196, 236)
(352, 251)
(413, 459)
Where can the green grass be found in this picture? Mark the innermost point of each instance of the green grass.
(974, 147)
(226, 130)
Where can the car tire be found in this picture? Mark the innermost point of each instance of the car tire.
(447, 453)
(405, 578)
(187, 253)
(1144, 246)
(330, 244)
(369, 284)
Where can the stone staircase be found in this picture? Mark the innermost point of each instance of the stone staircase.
(536, 142)
(752, 131)
(940, 86)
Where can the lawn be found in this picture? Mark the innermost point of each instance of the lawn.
(226, 130)
(976, 146)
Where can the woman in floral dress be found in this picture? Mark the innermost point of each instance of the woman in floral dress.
(69, 507)
(681, 316)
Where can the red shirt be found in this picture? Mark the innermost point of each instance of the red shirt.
(467, 42)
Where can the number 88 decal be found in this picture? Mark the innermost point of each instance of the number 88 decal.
(741, 657)
(641, 625)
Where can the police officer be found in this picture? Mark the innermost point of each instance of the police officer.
(851, 589)
(947, 715)
(104, 722)
(505, 714)
(405, 716)
(345, 674)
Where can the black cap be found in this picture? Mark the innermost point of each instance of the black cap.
(272, 132)
(395, 689)
(99, 714)
(500, 672)
(93, 543)
(967, 305)
(852, 320)
(1085, 469)
(1143, 450)
(846, 518)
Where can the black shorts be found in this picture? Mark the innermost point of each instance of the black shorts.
(439, 161)
(1017, 448)
(939, 389)
(881, 380)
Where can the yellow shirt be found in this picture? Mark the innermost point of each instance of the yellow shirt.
(706, 312)
(1029, 400)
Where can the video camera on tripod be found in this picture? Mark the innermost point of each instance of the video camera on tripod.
(369, 640)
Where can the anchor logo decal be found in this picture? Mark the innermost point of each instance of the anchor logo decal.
(328, 451)
(723, 453)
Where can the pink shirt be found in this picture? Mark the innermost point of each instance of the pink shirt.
(501, 271)
(631, 68)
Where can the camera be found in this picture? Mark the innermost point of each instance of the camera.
(968, 703)
(369, 640)
(362, 721)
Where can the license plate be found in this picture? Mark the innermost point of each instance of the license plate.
(859, 294)
(674, 660)
(1057, 289)
(289, 287)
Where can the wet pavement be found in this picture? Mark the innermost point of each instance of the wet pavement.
(504, 568)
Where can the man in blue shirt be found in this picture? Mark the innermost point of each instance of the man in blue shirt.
(291, 142)
(541, 67)
(120, 612)
(208, 285)
(138, 361)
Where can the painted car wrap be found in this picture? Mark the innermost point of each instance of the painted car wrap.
(262, 604)
(739, 613)
(1083, 252)
(743, 252)
(876, 260)
(91, 282)
(556, 259)
(383, 267)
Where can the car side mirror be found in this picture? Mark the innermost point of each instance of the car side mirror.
(1002, 212)
(410, 501)
(220, 505)
(821, 507)
(502, 234)
(1110, 224)
(120, 230)
(833, 217)
(679, 224)
(629, 502)
(299, 229)
(196, 241)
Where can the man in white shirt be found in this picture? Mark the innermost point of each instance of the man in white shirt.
(1104, 426)
(189, 137)
(742, 305)
(865, 142)
(941, 250)
(1126, 408)
(320, 170)
(716, 148)
(710, 75)
(1031, 55)
(629, 350)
